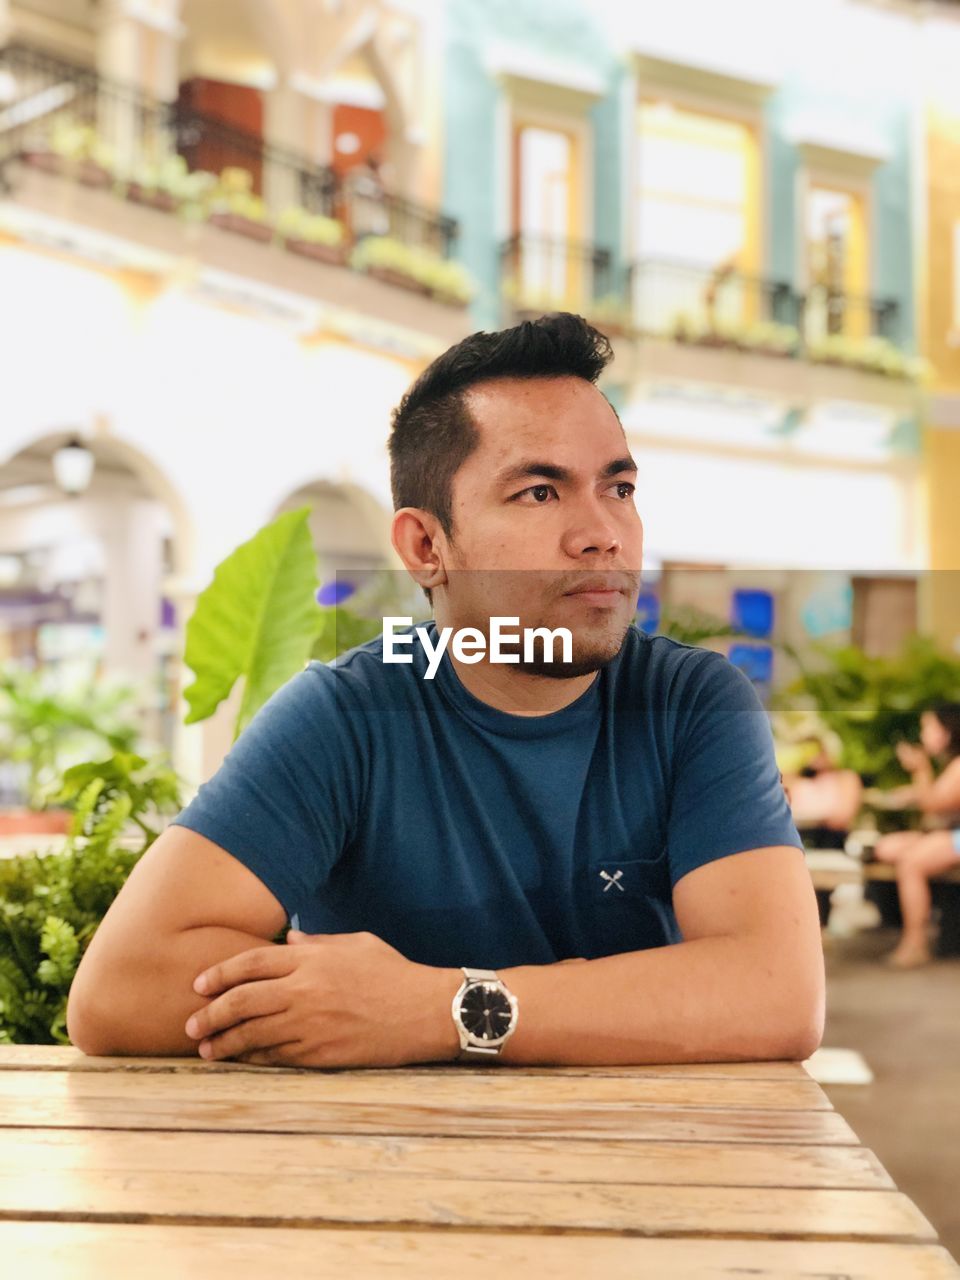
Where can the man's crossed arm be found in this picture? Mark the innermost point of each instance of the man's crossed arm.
(746, 982)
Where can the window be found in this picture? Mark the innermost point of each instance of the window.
(835, 229)
(695, 216)
(545, 214)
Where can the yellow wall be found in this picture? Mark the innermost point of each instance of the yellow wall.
(942, 446)
(943, 162)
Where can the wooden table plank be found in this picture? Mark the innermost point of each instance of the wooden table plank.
(47, 1057)
(72, 1151)
(301, 1104)
(90, 1251)
(269, 1199)
(454, 1090)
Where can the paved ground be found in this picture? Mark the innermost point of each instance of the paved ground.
(907, 1026)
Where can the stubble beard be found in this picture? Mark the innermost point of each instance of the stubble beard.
(589, 655)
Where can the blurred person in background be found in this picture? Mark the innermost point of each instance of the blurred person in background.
(824, 798)
(919, 855)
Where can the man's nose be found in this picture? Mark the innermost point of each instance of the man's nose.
(592, 532)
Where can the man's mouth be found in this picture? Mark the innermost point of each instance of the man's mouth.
(601, 590)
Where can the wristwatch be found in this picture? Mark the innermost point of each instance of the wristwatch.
(485, 1014)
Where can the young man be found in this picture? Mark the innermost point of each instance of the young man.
(586, 862)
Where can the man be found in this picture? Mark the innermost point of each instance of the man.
(586, 862)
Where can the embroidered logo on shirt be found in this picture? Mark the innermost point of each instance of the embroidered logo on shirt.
(612, 880)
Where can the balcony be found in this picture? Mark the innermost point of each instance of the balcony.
(743, 330)
(678, 321)
(177, 181)
(547, 273)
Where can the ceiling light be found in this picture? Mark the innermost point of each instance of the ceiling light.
(73, 466)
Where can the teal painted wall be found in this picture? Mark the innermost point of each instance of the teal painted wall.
(891, 230)
(474, 173)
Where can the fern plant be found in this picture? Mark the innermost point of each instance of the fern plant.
(51, 905)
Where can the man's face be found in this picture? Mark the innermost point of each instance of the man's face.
(544, 524)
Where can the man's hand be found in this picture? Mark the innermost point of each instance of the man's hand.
(326, 1000)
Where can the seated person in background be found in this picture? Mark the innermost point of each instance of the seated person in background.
(824, 799)
(918, 855)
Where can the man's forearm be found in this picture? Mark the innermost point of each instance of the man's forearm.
(708, 1000)
(139, 1006)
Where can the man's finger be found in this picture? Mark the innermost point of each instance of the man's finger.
(248, 1000)
(248, 966)
(257, 1033)
(282, 1055)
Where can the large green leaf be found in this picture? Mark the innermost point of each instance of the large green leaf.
(258, 620)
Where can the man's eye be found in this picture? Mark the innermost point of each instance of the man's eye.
(624, 489)
(538, 494)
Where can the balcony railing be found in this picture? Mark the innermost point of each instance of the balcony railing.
(57, 109)
(725, 307)
(547, 273)
(690, 303)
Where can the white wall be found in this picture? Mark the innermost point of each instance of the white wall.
(232, 409)
(732, 509)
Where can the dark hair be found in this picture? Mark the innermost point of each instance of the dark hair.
(948, 713)
(433, 432)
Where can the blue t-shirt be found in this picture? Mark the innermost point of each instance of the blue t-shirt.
(367, 798)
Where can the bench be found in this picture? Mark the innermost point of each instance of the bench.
(830, 868)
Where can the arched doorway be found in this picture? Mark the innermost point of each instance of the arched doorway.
(85, 578)
(351, 536)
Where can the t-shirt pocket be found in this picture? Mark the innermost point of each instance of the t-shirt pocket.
(635, 877)
(630, 905)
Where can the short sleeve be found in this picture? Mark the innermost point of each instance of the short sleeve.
(284, 800)
(727, 796)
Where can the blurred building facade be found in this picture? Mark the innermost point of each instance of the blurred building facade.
(733, 196)
(185, 189)
(232, 231)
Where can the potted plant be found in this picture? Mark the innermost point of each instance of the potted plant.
(611, 315)
(414, 268)
(234, 206)
(312, 235)
(52, 904)
(75, 150)
(870, 704)
(168, 184)
(43, 728)
(772, 339)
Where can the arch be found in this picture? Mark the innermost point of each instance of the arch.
(350, 528)
(119, 455)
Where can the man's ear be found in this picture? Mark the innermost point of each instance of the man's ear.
(418, 540)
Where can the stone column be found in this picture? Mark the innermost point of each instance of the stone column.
(132, 533)
(136, 47)
(283, 127)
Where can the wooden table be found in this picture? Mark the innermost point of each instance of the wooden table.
(183, 1169)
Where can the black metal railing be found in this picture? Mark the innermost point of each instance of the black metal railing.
(549, 273)
(830, 312)
(115, 129)
(673, 299)
(728, 307)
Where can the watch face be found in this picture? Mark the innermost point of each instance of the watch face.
(485, 1012)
